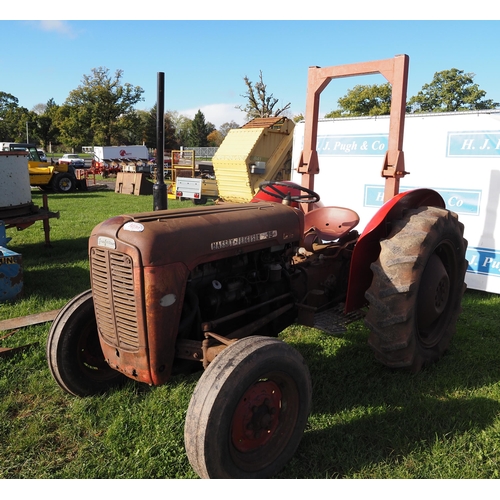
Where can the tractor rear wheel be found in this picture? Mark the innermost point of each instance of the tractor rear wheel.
(64, 183)
(74, 353)
(417, 288)
(248, 411)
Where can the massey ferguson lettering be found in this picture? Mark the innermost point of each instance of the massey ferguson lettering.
(243, 240)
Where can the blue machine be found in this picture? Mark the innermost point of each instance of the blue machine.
(3, 235)
(11, 270)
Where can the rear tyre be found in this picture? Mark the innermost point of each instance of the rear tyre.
(417, 288)
(249, 410)
(74, 353)
(64, 183)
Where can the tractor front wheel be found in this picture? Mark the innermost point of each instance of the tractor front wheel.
(74, 353)
(249, 410)
(417, 288)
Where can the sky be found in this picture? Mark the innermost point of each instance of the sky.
(204, 59)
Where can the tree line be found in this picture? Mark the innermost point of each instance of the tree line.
(101, 111)
(450, 90)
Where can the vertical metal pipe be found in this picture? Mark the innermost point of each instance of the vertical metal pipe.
(159, 187)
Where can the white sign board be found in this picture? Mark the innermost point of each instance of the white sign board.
(456, 154)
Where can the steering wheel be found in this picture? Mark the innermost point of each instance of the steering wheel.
(271, 189)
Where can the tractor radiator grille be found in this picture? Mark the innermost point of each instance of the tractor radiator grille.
(114, 300)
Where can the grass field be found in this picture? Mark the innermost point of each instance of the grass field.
(367, 421)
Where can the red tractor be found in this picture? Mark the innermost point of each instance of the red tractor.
(212, 287)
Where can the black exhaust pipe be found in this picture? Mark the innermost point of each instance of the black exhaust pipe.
(159, 187)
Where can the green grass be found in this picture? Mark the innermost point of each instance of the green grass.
(367, 421)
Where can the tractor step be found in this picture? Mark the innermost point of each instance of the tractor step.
(334, 321)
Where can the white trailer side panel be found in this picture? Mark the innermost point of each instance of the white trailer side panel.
(188, 187)
(103, 153)
(457, 154)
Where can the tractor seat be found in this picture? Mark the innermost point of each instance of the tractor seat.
(330, 223)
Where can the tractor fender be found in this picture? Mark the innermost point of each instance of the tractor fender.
(367, 248)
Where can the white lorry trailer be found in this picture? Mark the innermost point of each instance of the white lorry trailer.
(456, 154)
(113, 159)
(120, 153)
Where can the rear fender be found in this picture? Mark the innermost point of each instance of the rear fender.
(367, 248)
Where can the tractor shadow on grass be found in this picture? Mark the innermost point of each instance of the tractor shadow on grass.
(366, 414)
(391, 437)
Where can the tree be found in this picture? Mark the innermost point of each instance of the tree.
(74, 122)
(128, 129)
(96, 108)
(39, 108)
(47, 129)
(260, 104)
(169, 134)
(198, 135)
(18, 124)
(364, 100)
(143, 134)
(226, 127)
(215, 138)
(182, 126)
(7, 102)
(451, 90)
(12, 118)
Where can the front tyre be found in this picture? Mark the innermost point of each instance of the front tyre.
(248, 411)
(74, 353)
(417, 288)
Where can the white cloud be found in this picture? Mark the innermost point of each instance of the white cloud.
(60, 27)
(218, 114)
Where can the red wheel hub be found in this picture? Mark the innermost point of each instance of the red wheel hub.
(257, 416)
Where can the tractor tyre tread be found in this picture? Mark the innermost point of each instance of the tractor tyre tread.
(397, 276)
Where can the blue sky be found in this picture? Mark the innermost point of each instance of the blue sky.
(204, 61)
